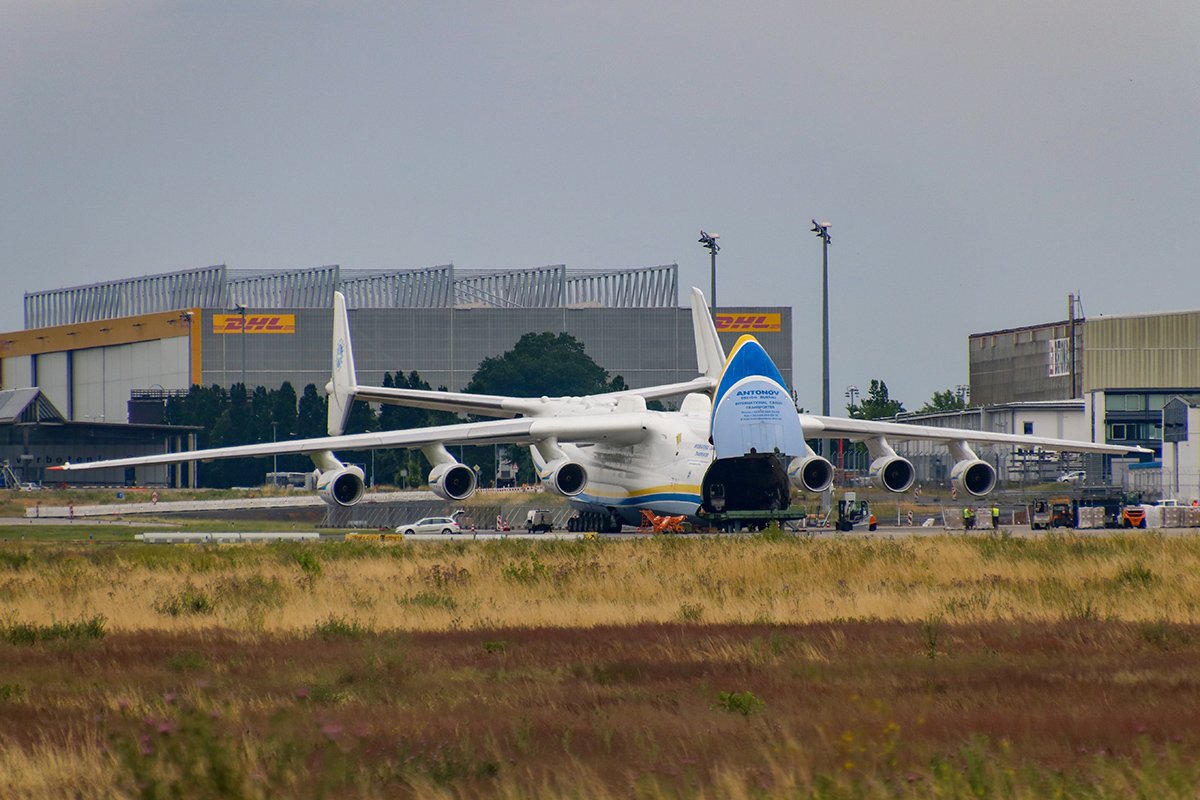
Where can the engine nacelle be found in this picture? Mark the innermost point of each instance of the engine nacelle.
(810, 473)
(341, 487)
(452, 481)
(565, 477)
(975, 477)
(894, 473)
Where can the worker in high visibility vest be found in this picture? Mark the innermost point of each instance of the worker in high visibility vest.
(968, 518)
(872, 523)
(995, 518)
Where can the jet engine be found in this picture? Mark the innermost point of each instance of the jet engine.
(452, 481)
(341, 487)
(892, 472)
(975, 476)
(810, 473)
(565, 477)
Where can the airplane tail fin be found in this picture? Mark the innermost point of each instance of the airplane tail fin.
(342, 384)
(710, 356)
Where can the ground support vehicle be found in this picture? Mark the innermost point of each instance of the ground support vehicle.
(1064, 513)
(1120, 510)
(754, 520)
(1039, 515)
(851, 511)
(539, 520)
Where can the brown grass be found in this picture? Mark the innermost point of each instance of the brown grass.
(551, 710)
(733, 667)
(436, 586)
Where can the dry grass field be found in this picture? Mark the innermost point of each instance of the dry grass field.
(764, 666)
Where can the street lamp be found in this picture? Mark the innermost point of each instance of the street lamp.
(709, 240)
(821, 229)
(275, 456)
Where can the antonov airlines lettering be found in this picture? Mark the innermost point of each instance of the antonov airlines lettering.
(736, 439)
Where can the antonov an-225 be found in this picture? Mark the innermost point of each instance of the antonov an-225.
(736, 438)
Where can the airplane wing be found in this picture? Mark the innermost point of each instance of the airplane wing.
(861, 429)
(620, 429)
(489, 405)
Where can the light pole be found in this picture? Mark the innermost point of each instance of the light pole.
(709, 240)
(275, 456)
(821, 229)
(241, 309)
(851, 395)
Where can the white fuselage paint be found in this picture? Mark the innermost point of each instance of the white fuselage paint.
(662, 473)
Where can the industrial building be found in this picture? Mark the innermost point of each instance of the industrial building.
(91, 349)
(1104, 378)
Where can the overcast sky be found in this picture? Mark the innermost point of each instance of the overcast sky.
(978, 161)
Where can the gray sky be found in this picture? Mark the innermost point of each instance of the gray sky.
(978, 161)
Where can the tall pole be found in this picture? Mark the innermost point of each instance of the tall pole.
(821, 229)
(709, 240)
(241, 309)
(275, 456)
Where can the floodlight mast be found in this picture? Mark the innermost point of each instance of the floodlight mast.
(821, 229)
(709, 240)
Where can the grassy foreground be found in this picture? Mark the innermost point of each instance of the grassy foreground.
(664, 667)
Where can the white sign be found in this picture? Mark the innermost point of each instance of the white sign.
(1060, 357)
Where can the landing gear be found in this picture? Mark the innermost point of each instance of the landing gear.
(598, 521)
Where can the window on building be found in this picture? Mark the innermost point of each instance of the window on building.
(1028, 428)
(1116, 432)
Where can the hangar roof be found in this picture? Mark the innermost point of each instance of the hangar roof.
(27, 405)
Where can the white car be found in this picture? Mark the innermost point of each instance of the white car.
(430, 525)
(1074, 476)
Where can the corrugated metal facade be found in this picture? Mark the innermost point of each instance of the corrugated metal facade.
(1014, 365)
(445, 345)
(434, 287)
(1150, 351)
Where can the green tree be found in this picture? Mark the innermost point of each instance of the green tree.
(538, 365)
(944, 401)
(877, 404)
(310, 414)
(543, 364)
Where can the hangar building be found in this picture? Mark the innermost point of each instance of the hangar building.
(91, 349)
(1103, 378)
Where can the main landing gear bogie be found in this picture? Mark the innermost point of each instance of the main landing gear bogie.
(597, 521)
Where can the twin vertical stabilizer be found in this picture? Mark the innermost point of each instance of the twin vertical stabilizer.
(342, 382)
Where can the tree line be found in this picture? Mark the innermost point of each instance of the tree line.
(540, 364)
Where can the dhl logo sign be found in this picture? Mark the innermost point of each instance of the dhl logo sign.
(255, 323)
(750, 323)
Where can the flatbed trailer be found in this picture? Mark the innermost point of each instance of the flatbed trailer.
(752, 520)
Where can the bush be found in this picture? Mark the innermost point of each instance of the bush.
(190, 600)
(744, 703)
(29, 633)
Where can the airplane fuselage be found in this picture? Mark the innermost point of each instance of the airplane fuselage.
(662, 473)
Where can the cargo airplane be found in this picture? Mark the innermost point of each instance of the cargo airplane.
(737, 442)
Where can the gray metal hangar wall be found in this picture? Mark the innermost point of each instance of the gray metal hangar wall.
(1125, 368)
(646, 346)
(90, 347)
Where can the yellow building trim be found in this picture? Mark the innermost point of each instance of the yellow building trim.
(83, 335)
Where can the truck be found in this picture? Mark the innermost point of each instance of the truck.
(539, 520)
